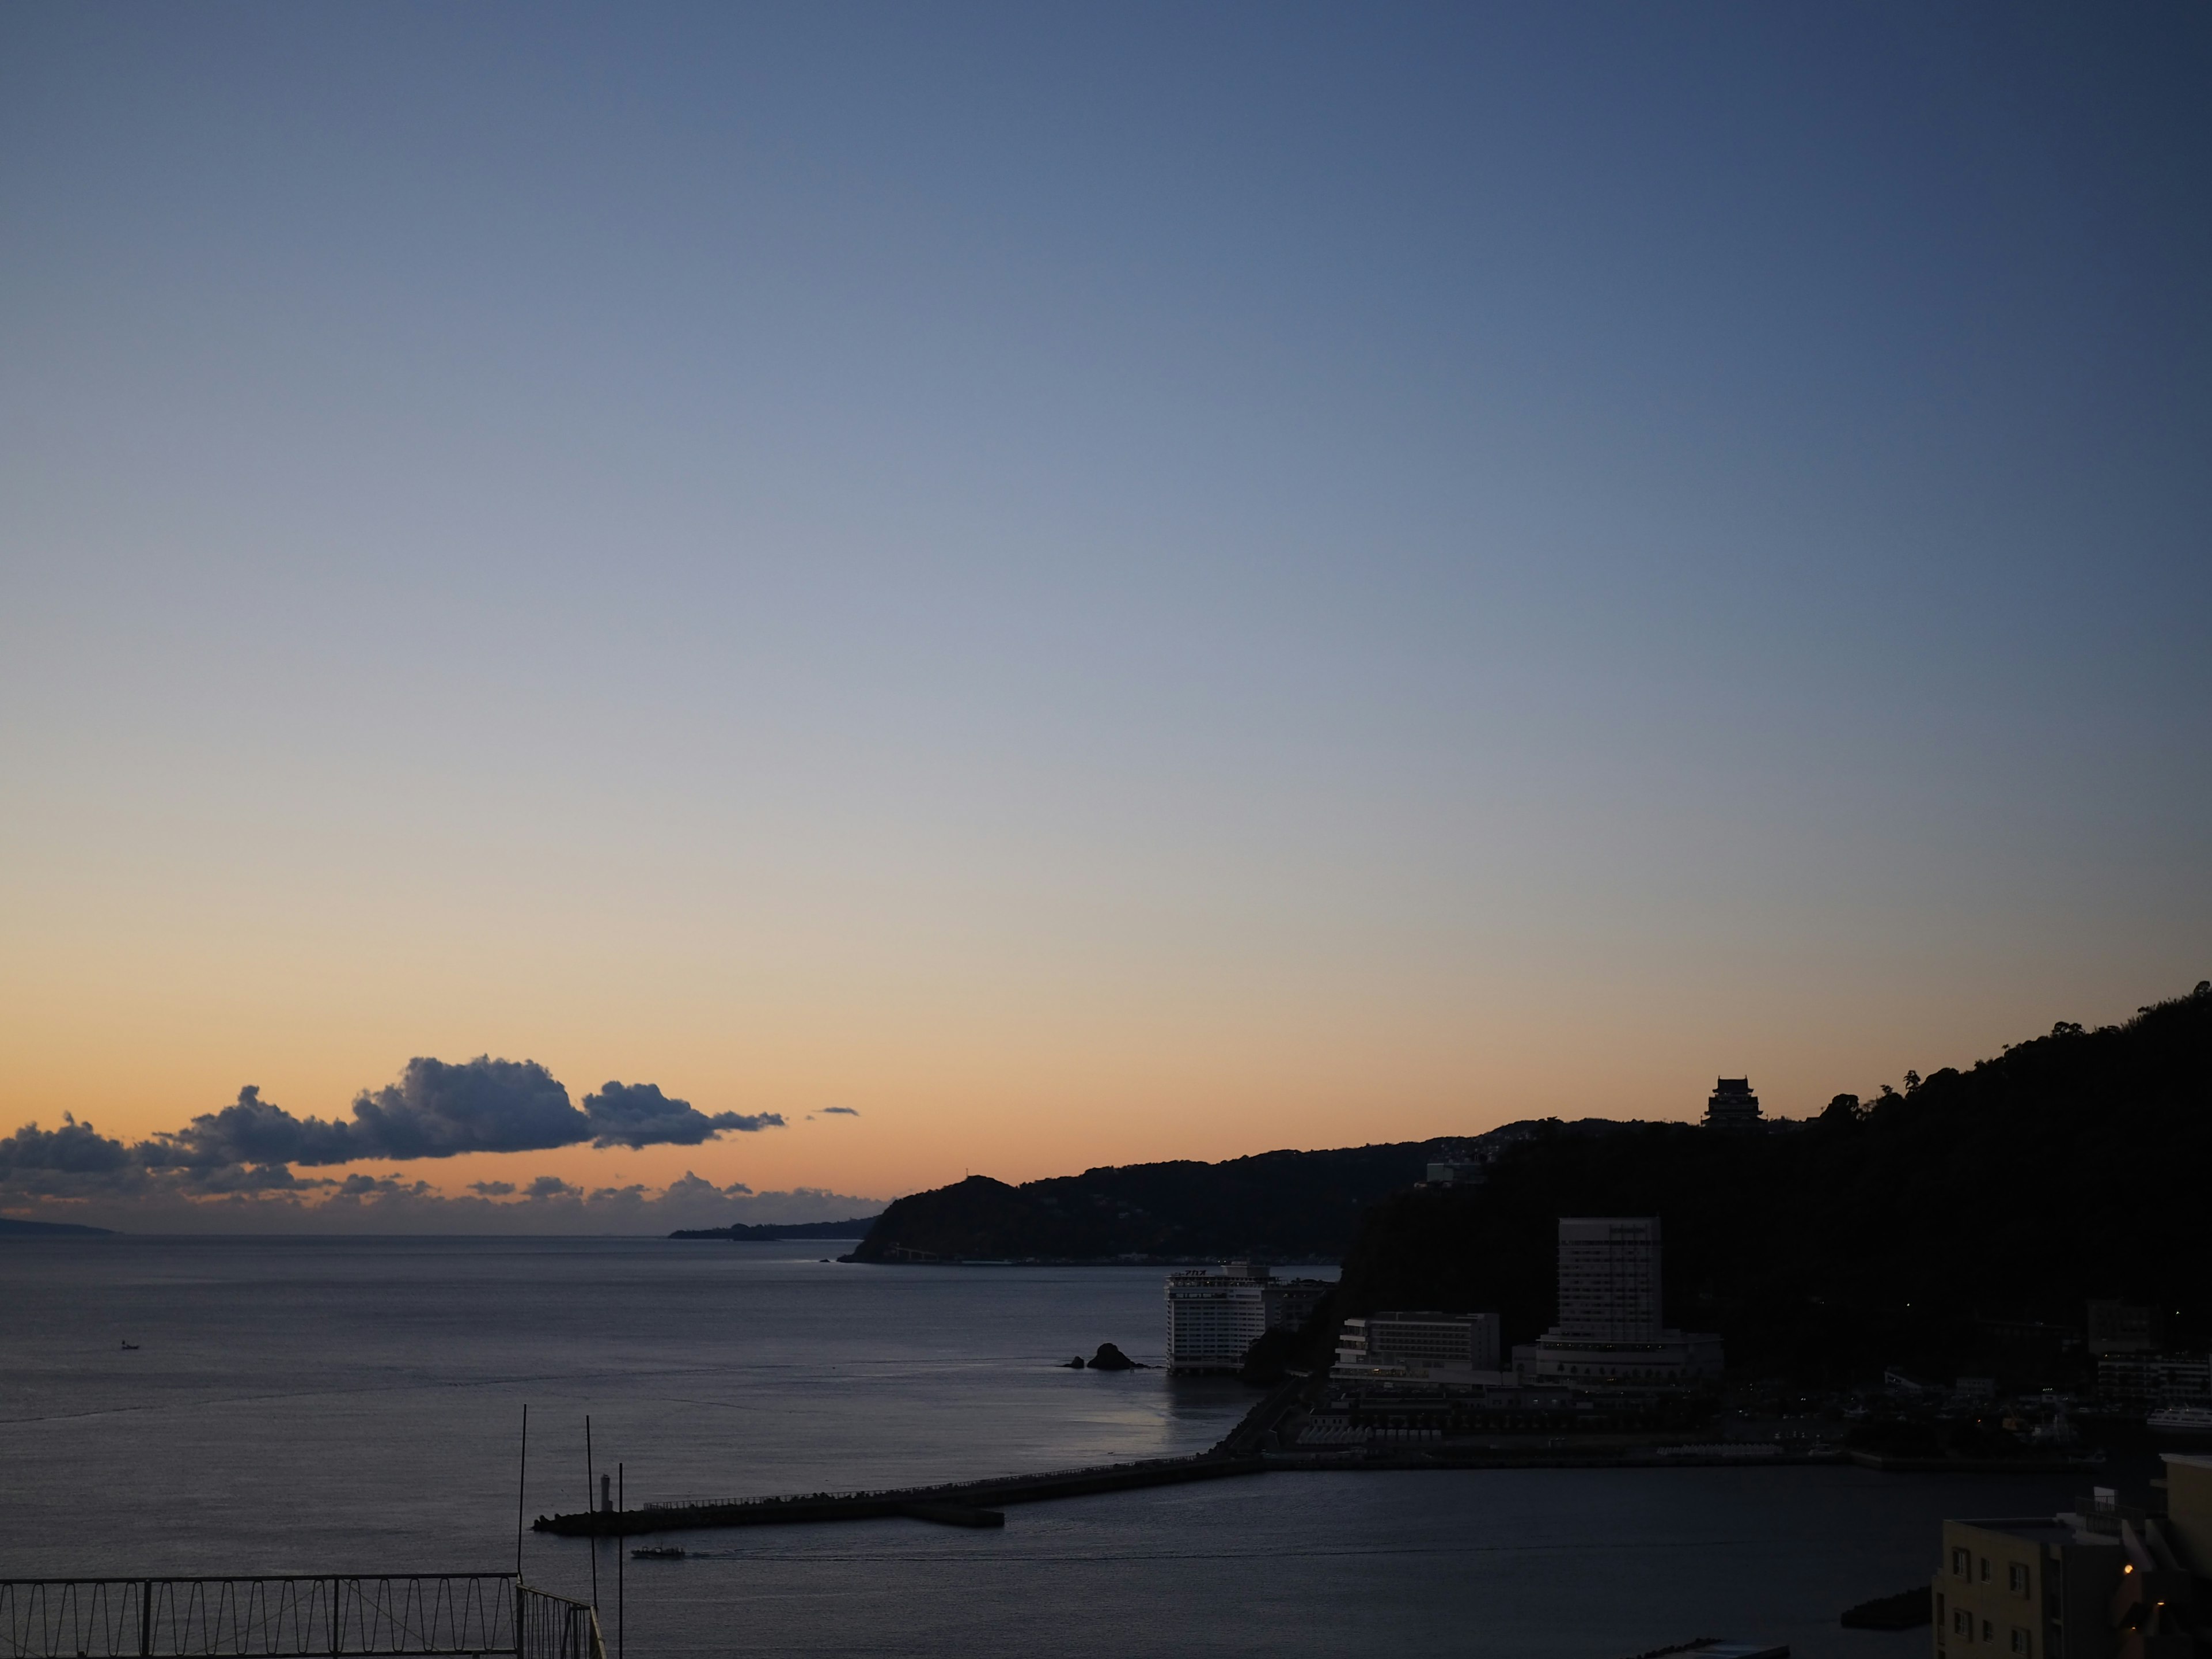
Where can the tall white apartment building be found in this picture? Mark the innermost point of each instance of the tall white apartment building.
(1215, 1316)
(1610, 1278)
(1611, 1327)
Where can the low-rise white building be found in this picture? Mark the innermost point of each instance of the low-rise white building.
(1466, 1341)
(1215, 1315)
(1456, 1350)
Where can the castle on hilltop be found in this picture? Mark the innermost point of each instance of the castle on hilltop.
(1732, 1105)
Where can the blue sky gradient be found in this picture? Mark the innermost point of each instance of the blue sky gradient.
(1102, 583)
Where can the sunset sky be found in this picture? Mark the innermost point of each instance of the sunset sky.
(1086, 585)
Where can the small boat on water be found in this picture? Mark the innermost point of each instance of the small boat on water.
(658, 1552)
(131, 1348)
(2191, 1423)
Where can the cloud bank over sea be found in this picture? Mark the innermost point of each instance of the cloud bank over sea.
(392, 1203)
(232, 1170)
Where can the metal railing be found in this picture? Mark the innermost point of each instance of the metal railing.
(396, 1616)
(556, 1627)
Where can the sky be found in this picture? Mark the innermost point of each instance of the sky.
(1003, 589)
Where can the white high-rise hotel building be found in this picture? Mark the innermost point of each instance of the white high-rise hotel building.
(1609, 1279)
(1611, 1327)
(1213, 1317)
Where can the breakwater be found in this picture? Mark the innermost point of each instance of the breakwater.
(965, 1503)
(970, 1503)
(952, 1496)
(956, 1503)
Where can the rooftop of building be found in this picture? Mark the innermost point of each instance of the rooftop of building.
(1668, 1337)
(1252, 1272)
(1646, 1221)
(2037, 1529)
(1425, 1316)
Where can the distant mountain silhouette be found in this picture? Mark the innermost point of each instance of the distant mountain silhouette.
(769, 1231)
(1959, 1227)
(11, 1229)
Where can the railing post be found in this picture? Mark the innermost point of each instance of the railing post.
(336, 1626)
(145, 1618)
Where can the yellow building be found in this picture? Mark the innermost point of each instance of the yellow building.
(2008, 1586)
(2189, 1509)
(2109, 1584)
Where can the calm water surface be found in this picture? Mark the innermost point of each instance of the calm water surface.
(307, 1405)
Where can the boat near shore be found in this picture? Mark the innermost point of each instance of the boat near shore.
(2189, 1423)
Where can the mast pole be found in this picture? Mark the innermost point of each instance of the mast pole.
(522, 1488)
(591, 1507)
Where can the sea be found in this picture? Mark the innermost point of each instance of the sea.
(356, 1406)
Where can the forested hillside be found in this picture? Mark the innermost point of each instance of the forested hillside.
(1288, 1206)
(1936, 1227)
